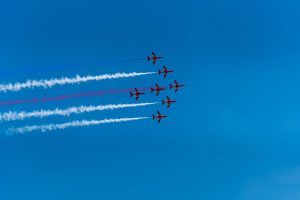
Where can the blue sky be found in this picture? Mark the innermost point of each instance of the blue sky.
(233, 134)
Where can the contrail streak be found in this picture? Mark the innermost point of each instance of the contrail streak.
(11, 116)
(52, 127)
(63, 81)
(43, 69)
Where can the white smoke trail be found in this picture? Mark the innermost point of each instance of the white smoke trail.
(10, 116)
(64, 80)
(52, 127)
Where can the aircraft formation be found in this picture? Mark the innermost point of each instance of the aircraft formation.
(137, 94)
(157, 89)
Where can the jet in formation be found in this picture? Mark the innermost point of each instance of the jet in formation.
(165, 71)
(168, 101)
(153, 57)
(137, 93)
(157, 89)
(176, 86)
(158, 117)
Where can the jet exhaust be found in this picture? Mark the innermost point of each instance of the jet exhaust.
(44, 83)
(83, 123)
(12, 116)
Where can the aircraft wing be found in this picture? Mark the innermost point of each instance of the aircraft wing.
(156, 85)
(168, 105)
(158, 120)
(158, 113)
(175, 82)
(136, 97)
(154, 61)
(168, 97)
(176, 89)
(136, 89)
(153, 53)
(165, 75)
(165, 67)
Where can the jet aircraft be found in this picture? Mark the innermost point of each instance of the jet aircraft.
(158, 117)
(157, 89)
(176, 86)
(168, 101)
(136, 94)
(153, 57)
(165, 71)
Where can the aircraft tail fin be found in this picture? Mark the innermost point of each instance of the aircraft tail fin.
(162, 102)
(159, 72)
(131, 94)
(148, 57)
(153, 117)
(152, 90)
(171, 86)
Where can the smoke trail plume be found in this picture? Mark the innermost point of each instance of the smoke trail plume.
(63, 81)
(43, 69)
(69, 96)
(52, 127)
(11, 116)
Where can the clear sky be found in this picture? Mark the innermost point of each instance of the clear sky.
(233, 133)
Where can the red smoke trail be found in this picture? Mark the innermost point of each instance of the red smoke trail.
(70, 96)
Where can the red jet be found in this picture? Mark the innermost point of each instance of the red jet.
(158, 117)
(153, 57)
(157, 89)
(136, 94)
(176, 85)
(165, 71)
(168, 101)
